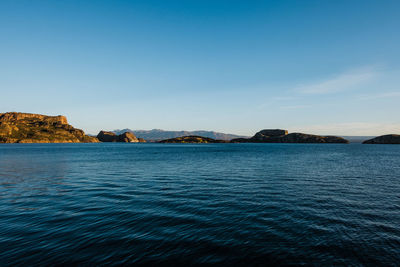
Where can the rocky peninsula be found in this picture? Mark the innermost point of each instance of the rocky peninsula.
(282, 136)
(18, 127)
(384, 139)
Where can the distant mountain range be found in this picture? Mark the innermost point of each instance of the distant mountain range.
(157, 134)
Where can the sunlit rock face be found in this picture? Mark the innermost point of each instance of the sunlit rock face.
(18, 127)
(384, 139)
(17, 116)
(127, 137)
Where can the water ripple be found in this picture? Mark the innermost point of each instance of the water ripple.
(231, 204)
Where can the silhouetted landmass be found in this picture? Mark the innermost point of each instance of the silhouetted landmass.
(357, 139)
(126, 137)
(192, 139)
(384, 139)
(18, 127)
(282, 136)
(157, 135)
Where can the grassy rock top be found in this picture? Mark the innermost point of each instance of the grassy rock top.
(17, 116)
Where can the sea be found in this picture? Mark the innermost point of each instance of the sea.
(199, 204)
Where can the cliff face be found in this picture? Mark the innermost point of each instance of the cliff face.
(126, 137)
(35, 128)
(282, 136)
(192, 139)
(384, 139)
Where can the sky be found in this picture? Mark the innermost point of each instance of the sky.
(321, 67)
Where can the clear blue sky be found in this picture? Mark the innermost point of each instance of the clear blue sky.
(324, 67)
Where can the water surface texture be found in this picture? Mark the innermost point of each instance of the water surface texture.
(241, 204)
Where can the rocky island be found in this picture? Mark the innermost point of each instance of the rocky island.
(192, 139)
(126, 137)
(282, 136)
(384, 139)
(264, 136)
(18, 127)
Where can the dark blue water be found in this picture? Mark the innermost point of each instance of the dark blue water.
(231, 204)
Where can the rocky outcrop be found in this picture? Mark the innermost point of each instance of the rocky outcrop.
(384, 139)
(282, 136)
(18, 127)
(192, 139)
(265, 134)
(104, 136)
(126, 137)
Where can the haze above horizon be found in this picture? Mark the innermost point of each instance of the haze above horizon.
(322, 67)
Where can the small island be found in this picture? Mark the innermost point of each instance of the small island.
(282, 136)
(384, 139)
(126, 137)
(192, 139)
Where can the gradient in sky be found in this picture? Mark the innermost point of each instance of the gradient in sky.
(323, 67)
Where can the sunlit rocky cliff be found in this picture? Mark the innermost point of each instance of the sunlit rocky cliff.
(18, 127)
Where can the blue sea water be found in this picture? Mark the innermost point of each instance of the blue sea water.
(228, 204)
